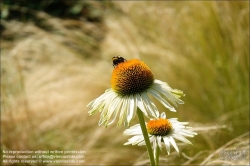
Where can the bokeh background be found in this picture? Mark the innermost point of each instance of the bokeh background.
(56, 58)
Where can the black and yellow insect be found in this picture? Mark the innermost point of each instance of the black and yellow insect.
(118, 59)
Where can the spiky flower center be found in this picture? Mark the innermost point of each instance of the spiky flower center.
(159, 127)
(131, 77)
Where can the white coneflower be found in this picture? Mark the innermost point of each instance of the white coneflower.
(131, 84)
(160, 131)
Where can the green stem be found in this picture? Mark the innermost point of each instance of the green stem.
(157, 155)
(145, 135)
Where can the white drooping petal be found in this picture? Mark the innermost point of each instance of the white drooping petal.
(167, 92)
(97, 104)
(161, 100)
(108, 109)
(155, 144)
(132, 108)
(181, 138)
(100, 99)
(159, 141)
(135, 140)
(112, 107)
(151, 139)
(167, 144)
(172, 141)
(123, 110)
(153, 111)
(141, 105)
(134, 130)
(116, 112)
(187, 133)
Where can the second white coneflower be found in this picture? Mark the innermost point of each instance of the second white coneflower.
(131, 84)
(161, 131)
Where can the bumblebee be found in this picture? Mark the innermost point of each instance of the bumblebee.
(118, 59)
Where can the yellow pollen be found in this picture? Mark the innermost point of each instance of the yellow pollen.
(159, 127)
(131, 77)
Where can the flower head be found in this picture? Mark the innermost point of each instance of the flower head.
(131, 84)
(131, 77)
(160, 131)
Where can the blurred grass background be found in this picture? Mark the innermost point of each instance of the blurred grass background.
(56, 58)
